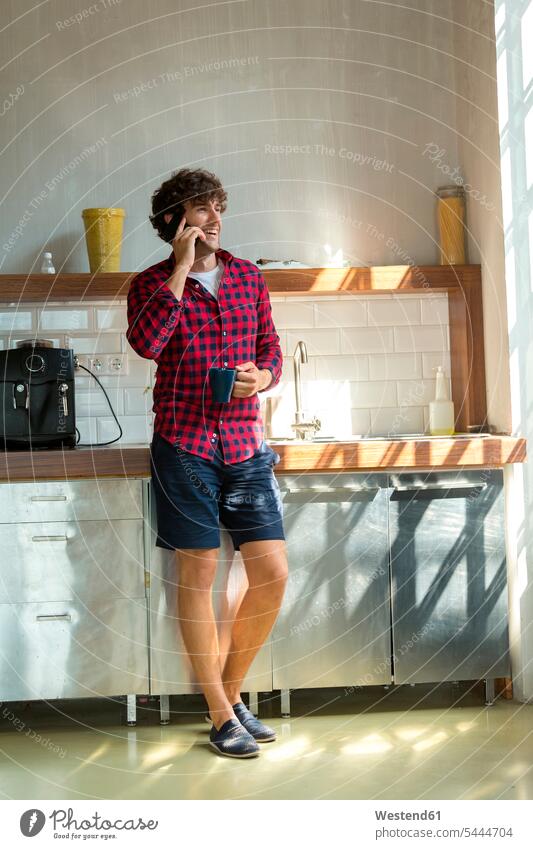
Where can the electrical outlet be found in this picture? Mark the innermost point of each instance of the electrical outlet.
(107, 365)
(81, 360)
(97, 364)
(116, 364)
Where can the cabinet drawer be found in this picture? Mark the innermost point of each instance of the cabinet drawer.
(58, 561)
(66, 650)
(62, 501)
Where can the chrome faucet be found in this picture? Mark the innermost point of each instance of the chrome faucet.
(303, 429)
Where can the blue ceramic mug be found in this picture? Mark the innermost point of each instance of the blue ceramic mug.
(221, 381)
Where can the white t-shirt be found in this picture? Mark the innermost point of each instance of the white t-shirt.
(209, 279)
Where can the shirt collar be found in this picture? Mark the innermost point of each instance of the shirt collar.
(221, 254)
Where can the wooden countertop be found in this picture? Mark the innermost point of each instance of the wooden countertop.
(490, 451)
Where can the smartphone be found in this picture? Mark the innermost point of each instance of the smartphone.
(171, 227)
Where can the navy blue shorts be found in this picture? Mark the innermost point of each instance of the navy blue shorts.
(193, 495)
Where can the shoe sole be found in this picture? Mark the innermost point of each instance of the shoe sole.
(264, 740)
(228, 755)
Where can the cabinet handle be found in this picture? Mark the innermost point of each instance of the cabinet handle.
(54, 617)
(50, 538)
(48, 498)
(341, 490)
(440, 487)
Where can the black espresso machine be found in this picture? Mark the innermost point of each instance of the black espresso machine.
(37, 396)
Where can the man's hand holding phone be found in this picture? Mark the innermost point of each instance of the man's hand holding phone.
(183, 245)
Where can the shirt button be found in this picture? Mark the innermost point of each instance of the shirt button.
(196, 285)
(226, 362)
(224, 333)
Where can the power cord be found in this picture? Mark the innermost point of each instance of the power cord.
(97, 444)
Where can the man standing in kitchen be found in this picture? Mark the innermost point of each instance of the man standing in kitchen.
(202, 308)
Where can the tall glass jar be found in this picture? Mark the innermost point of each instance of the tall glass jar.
(451, 209)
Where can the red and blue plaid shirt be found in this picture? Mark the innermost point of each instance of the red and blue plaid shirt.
(187, 336)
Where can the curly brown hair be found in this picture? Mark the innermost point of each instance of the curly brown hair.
(185, 184)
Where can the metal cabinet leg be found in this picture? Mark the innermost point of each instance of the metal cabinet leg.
(489, 691)
(131, 710)
(285, 702)
(164, 710)
(253, 703)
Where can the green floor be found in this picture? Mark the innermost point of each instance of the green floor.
(404, 743)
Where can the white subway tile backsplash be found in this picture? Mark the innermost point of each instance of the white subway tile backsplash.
(100, 343)
(384, 311)
(17, 319)
(370, 369)
(318, 341)
(136, 429)
(415, 393)
(87, 428)
(360, 420)
(137, 401)
(334, 393)
(386, 367)
(366, 340)
(433, 338)
(334, 420)
(434, 308)
(374, 393)
(293, 315)
(92, 402)
(110, 318)
(395, 421)
(64, 319)
(341, 367)
(347, 312)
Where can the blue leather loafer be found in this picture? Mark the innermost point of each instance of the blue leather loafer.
(259, 731)
(233, 741)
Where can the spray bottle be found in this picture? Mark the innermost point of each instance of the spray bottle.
(441, 411)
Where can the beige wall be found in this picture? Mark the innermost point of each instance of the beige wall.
(360, 87)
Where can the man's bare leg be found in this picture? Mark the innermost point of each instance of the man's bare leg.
(267, 570)
(197, 570)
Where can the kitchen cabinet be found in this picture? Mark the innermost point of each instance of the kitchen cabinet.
(334, 626)
(394, 578)
(73, 615)
(448, 576)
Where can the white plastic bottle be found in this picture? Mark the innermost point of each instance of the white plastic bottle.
(47, 266)
(441, 411)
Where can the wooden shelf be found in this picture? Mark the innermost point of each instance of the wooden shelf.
(24, 288)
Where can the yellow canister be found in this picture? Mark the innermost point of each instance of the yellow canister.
(103, 235)
(451, 215)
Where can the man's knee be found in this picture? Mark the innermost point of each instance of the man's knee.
(197, 568)
(266, 564)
